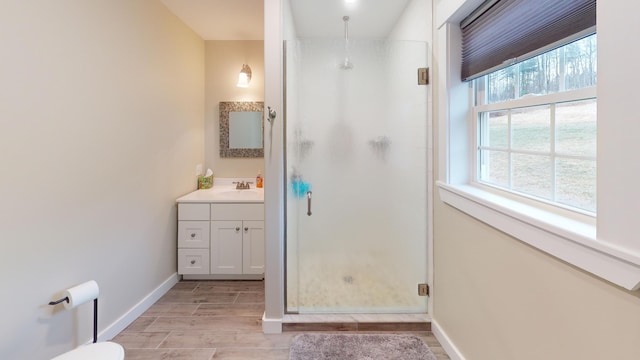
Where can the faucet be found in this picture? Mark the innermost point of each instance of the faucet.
(241, 185)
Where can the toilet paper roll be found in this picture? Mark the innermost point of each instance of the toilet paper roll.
(80, 294)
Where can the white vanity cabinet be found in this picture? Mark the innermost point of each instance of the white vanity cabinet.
(221, 240)
(237, 238)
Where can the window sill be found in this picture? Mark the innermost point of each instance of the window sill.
(567, 239)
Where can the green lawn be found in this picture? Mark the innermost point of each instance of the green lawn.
(574, 135)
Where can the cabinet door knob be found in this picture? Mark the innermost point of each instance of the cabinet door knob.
(193, 262)
(238, 228)
(246, 229)
(193, 235)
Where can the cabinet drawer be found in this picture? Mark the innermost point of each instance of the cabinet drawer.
(193, 211)
(193, 261)
(193, 234)
(237, 211)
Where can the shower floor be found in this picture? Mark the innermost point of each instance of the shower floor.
(351, 286)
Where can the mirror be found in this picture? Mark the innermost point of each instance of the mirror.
(241, 129)
(245, 130)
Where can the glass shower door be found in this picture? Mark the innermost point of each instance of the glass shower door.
(356, 161)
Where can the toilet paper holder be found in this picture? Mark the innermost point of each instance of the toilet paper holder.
(95, 315)
(66, 298)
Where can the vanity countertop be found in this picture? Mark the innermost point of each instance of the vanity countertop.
(224, 192)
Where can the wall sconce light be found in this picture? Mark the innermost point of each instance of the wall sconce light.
(245, 76)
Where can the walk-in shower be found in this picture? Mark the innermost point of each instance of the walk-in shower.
(356, 163)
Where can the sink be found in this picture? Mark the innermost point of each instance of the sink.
(231, 194)
(249, 192)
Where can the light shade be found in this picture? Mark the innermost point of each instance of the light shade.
(244, 77)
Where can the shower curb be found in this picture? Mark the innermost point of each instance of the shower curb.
(356, 322)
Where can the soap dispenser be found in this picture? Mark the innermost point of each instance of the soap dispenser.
(259, 180)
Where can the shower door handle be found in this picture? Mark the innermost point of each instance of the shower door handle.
(308, 203)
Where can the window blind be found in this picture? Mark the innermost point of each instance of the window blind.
(502, 32)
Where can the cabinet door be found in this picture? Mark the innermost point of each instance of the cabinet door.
(226, 247)
(253, 247)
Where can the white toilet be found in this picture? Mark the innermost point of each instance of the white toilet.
(97, 351)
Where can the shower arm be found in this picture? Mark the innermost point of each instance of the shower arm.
(346, 64)
(346, 28)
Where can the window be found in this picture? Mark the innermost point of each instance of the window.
(607, 245)
(537, 126)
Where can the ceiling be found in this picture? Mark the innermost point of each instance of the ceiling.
(221, 19)
(243, 19)
(367, 18)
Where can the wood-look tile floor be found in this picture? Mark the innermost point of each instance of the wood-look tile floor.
(206, 320)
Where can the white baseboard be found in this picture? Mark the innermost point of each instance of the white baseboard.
(271, 326)
(224, 277)
(115, 328)
(446, 342)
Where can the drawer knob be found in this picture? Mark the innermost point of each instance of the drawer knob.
(193, 235)
(238, 229)
(193, 262)
(246, 229)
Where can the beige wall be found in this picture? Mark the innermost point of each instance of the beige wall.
(499, 299)
(224, 60)
(101, 127)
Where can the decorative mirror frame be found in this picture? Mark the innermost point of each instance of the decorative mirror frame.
(238, 106)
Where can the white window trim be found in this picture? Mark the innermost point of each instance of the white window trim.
(564, 237)
(570, 240)
(538, 100)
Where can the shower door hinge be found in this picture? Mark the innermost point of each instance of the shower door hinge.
(423, 76)
(423, 290)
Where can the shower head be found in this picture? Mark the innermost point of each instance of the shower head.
(346, 64)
